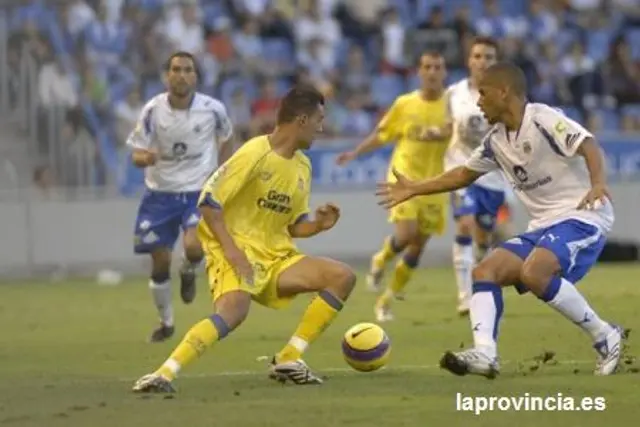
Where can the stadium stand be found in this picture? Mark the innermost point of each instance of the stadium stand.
(75, 73)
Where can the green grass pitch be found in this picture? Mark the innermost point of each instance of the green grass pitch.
(70, 352)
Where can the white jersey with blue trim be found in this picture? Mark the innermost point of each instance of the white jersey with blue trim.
(540, 162)
(187, 141)
(469, 127)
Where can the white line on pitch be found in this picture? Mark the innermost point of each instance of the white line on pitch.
(349, 370)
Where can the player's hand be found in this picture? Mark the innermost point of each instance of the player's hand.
(346, 157)
(597, 194)
(327, 216)
(430, 133)
(240, 264)
(151, 157)
(393, 193)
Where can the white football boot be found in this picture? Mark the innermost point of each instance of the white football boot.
(472, 361)
(609, 352)
(297, 372)
(153, 383)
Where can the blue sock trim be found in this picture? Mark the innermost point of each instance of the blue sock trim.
(160, 277)
(552, 289)
(496, 292)
(394, 245)
(411, 261)
(484, 286)
(464, 240)
(220, 325)
(333, 301)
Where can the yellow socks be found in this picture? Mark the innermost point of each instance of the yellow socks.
(316, 318)
(200, 337)
(389, 250)
(401, 276)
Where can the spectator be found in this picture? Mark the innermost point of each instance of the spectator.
(578, 73)
(248, 45)
(355, 75)
(436, 34)
(265, 106)
(274, 26)
(184, 29)
(127, 113)
(318, 60)
(44, 180)
(310, 25)
(496, 24)
(621, 74)
(543, 24)
(240, 114)
(55, 86)
(394, 58)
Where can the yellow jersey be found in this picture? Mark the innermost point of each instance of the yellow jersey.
(408, 118)
(260, 193)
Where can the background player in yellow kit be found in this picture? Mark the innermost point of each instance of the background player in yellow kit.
(252, 208)
(419, 123)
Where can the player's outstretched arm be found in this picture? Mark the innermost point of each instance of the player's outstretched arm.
(371, 143)
(394, 193)
(326, 217)
(590, 150)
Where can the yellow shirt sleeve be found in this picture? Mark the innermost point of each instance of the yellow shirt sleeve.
(301, 208)
(230, 178)
(390, 127)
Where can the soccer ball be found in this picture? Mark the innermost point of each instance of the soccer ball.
(366, 347)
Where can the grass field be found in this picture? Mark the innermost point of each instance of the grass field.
(70, 352)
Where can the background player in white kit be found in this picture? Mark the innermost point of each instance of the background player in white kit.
(476, 207)
(557, 171)
(181, 136)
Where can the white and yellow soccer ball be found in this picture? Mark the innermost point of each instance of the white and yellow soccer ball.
(366, 347)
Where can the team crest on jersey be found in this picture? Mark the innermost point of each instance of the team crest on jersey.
(520, 173)
(197, 128)
(300, 184)
(266, 175)
(526, 147)
(179, 149)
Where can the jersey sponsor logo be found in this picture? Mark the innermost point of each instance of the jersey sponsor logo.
(179, 153)
(276, 202)
(522, 176)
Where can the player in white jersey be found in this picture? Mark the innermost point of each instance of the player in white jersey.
(557, 171)
(476, 207)
(179, 140)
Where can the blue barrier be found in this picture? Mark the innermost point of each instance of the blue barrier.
(622, 153)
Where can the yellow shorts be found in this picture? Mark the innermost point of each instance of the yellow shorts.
(222, 278)
(431, 215)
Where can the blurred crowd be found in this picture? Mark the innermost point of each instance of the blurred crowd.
(105, 57)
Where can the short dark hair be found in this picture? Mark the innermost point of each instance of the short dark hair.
(301, 99)
(182, 54)
(508, 74)
(486, 41)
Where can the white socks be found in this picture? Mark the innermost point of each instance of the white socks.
(565, 298)
(463, 264)
(485, 313)
(162, 298)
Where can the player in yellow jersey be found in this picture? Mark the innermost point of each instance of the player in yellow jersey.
(252, 208)
(419, 123)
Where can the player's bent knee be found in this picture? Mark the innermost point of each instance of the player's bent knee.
(340, 280)
(465, 226)
(483, 273)
(192, 247)
(233, 308)
(534, 277)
